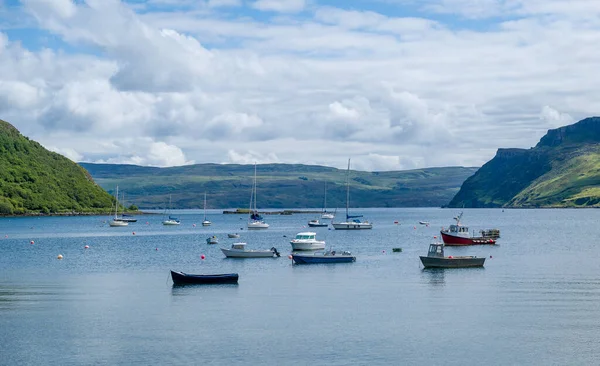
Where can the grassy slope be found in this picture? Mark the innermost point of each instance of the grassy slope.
(574, 181)
(279, 185)
(33, 179)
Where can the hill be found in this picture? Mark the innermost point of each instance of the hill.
(279, 185)
(562, 170)
(35, 180)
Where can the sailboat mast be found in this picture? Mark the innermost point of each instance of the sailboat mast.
(347, 188)
(204, 206)
(117, 202)
(254, 186)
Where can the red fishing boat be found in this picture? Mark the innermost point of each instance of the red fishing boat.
(459, 234)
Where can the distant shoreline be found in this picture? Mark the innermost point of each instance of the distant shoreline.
(39, 214)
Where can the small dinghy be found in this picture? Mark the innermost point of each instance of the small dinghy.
(233, 236)
(323, 257)
(180, 278)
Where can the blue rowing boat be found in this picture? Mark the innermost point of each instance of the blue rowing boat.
(323, 257)
(180, 278)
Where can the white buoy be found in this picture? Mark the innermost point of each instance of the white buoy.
(59, 256)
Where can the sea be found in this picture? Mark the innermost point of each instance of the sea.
(535, 302)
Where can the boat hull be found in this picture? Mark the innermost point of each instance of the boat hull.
(118, 223)
(352, 225)
(170, 223)
(316, 259)
(180, 278)
(206, 223)
(458, 262)
(452, 240)
(231, 253)
(314, 224)
(256, 225)
(233, 236)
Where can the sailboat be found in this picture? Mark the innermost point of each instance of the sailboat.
(352, 222)
(255, 221)
(205, 222)
(325, 214)
(116, 222)
(171, 220)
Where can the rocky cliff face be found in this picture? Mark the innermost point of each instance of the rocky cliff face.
(558, 171)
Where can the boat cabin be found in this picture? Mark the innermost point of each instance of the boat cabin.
(306, 236)
(240, 246)
(458, 229)
(436, 250)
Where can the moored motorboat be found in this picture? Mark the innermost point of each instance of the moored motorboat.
(233, 236)
(180, 278)
(435, 258)
(317, 223)
(459, 234)
(307, 241)
(238, 250)
(126, 218)
(212, 240)
(323, 257)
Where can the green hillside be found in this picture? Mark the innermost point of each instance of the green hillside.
(35, 180)
(562, 170)
(279, 185)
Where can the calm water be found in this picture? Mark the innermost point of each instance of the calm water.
(536, 302)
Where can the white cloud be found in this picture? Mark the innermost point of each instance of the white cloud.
(251, 157)
(223, 3)
(554, 118)
(280, 6)
(67, 152)
(195, 83)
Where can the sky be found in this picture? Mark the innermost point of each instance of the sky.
(391, 84)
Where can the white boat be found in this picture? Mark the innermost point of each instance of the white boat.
(171, 220)
(212, 240)
(352, 221)
(255, 221)
(116, 222)
(233, 236)
(325, 214)
(206, 222)
(238, 250)
(307, 241)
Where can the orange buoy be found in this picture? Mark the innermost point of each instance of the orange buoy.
(32, 242)
(290, 256)
(87, 247)
(59, 256)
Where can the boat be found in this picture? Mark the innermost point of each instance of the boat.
(435, 258)
(212, 240)
(352, 221)
(115, 222)
(126, 218)
(205, 222)
(424, 223)
(459, 234)
(325, 214)
(307, 241)
(255, 221)
(323, 257)
(171, 220)
(238, 250)
(180, 278)
(317, 223)
(233, 236)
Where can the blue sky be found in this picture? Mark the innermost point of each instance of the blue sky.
(395, 84)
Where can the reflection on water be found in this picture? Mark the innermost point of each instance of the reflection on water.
(435, 276)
